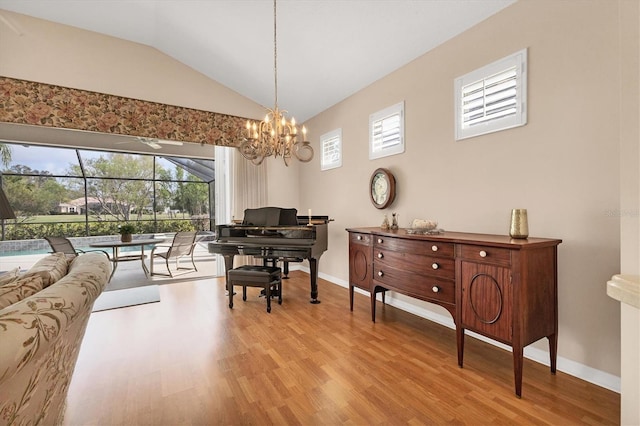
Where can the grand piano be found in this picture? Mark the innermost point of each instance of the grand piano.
(275, 234)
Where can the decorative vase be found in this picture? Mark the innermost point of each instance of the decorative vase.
(519, 224)
(126, 238)
(385, 223)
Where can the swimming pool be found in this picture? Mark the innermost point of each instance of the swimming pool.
(48, 250)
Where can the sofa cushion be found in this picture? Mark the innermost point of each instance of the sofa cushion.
(19, 289)
(51, 268)
(7, 277)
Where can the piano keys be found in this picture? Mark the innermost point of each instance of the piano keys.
(275, 234)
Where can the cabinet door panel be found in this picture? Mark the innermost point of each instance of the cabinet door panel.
(360, 265)
(487, 300)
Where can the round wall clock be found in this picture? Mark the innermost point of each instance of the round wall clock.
(382, 188)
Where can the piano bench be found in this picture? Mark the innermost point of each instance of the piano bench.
(267, 277)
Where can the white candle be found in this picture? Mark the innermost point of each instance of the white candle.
(309, 212)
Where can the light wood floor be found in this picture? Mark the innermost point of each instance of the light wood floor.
(190, 360)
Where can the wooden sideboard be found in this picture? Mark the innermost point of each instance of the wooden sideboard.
(502, 288)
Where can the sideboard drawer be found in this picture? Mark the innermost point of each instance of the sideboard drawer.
(359, 238)
(415, 285)
(423, 247)
(440, 267)
(485, 254)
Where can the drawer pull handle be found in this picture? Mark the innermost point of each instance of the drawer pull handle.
(359, 237)
(379, 240)
(483, 253)
(380, 273)
(434, 248)
(380, 255)
(435, 289)
(435, 266)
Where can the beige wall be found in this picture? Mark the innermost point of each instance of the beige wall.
(563, 166)
(37, 50)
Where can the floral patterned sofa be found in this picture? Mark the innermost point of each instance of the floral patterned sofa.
(43, 316)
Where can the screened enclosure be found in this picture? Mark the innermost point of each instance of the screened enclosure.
(76, 192)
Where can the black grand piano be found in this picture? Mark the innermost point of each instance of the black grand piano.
(275, 234)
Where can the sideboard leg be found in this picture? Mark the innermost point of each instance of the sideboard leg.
(553, 351)
(460, 342)
(517, 368)
(351, 297)
(373, 305)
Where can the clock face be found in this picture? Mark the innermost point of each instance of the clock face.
(382, 188)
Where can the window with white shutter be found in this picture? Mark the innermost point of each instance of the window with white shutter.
(493, 97)
(331, 145)
(386, 132)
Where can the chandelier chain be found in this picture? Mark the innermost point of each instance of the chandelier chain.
(275, 52)
(275, 135)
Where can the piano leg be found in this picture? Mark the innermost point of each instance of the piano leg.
(313, 267)
(285, 270)
(228, 265)
(274, 263)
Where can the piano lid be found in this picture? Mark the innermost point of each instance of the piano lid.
(278, 216)
(270, 216)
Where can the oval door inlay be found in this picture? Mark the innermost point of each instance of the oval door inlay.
(485, 298)
(360, 265)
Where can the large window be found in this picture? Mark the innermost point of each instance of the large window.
(62, 191)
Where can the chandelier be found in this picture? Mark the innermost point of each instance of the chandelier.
(275, 135)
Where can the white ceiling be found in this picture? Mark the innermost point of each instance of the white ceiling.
(327, 49)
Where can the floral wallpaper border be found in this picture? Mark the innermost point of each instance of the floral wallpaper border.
(27, 102)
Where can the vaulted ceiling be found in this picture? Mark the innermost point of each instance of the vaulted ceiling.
(327, 49)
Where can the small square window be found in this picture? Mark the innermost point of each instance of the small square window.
(386, 132)
(492, 98)
(331, 145)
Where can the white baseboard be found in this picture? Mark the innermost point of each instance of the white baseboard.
(573, 368)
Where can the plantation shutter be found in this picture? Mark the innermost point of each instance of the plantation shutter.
(490, 98)
(331, 145)
(386, 132)
(386, 129)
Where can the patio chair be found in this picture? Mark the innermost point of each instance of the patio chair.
(64, 245)
(183, 245)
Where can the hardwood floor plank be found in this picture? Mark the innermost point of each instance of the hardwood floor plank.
(190, 360)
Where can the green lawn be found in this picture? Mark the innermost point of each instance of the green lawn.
(66, 218)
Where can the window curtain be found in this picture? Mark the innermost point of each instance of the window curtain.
(239, 185)
(249, 185)
(223, 184)
(249, 192)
